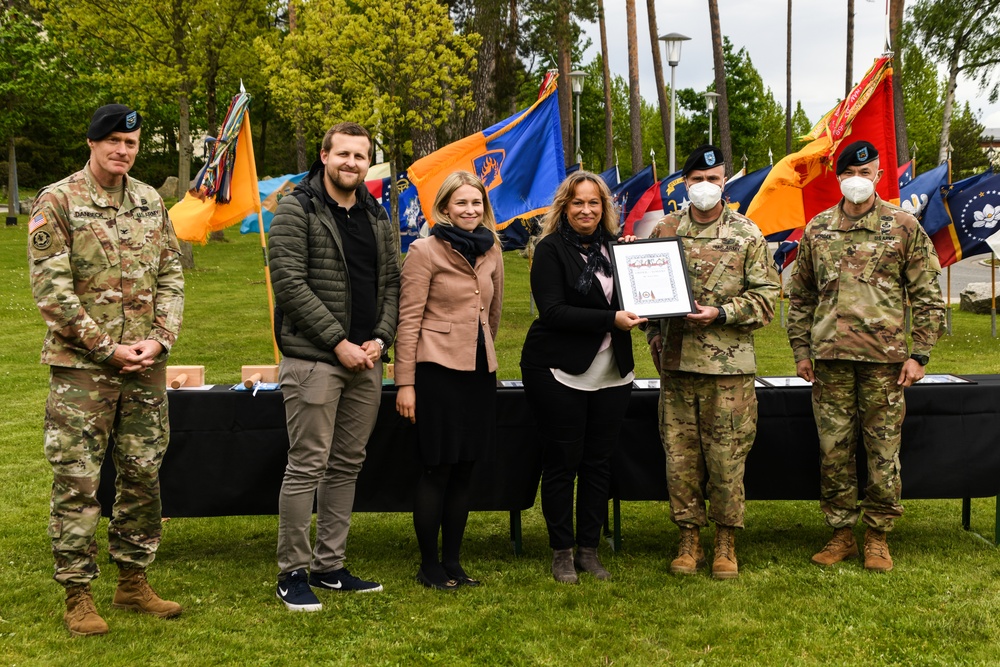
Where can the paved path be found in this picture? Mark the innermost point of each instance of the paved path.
(972, 270)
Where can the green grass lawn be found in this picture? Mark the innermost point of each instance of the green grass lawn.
(940, 606)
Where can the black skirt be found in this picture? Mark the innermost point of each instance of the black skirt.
(456, 412)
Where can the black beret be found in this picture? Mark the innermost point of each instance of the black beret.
(113, 118)
(703, 157)
(855, 155)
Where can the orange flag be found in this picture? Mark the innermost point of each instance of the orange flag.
(194, 218)
(804, 183)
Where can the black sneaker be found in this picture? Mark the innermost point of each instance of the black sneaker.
(294, 591)
(342, 580)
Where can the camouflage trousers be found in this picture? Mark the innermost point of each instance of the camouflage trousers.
(707, 427)
(847, 395)
(84, 408)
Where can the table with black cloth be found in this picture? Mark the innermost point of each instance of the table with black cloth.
(228, 451)
(950, 448)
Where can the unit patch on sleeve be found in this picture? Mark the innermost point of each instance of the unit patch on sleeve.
(41, 240)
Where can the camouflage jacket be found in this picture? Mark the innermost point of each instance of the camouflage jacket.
(729, 268)
(850, 285)
(103, 276)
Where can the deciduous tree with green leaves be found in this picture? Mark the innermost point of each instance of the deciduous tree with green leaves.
(31, 68)
(146, 51)
(396, 67)
(963, 37)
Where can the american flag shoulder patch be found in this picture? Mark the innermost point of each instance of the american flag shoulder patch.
(36, 222)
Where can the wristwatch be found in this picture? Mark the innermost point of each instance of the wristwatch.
(721, 317)
(381, 344)
(921, 359)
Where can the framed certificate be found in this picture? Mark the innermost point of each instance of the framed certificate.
(652, 279)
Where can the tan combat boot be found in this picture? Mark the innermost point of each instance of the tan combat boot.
(563, 569)
(81, 616)
(724, 566)
(134, 593)
(877, 558)
(840, 547)
(690, 555)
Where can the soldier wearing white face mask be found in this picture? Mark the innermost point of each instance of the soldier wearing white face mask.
(857, 264)
(708, 407)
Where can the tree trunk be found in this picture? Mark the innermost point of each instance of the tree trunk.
(850, 49)
(424, 142)
(949, 103)
(394, 160)
(211, 97)
(184, 148)
(899, 111)
(661, 94)
(488, 23)
(510, 58)
(788, 83)
(265, 114)
(13, 205)
(564, 64)
(634, 99)
(301, 162)
(722, 104)
(609, 137)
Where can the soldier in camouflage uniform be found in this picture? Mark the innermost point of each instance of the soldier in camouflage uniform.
(858, 262)
(106, 275)
(708, 407)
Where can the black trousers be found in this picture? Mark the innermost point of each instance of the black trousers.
(579, 432)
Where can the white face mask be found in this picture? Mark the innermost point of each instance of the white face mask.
(704, 195)
(857, 189)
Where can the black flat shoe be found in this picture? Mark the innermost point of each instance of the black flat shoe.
(448, 585)
(461, 577)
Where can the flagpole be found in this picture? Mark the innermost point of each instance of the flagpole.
(993, 293)
(781, 300)
(263, 239)
(947, 312)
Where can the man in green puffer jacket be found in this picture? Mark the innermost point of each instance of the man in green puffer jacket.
(334, 258)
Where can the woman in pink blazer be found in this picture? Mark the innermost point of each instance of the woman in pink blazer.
(449, 310)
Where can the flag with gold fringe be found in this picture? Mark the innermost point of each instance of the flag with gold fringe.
(519, 160)
(224, 191)
(804, 183)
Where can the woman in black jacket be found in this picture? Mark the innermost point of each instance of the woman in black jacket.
(577, 368)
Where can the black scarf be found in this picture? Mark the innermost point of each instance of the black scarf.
(469, 244)
(596, 261)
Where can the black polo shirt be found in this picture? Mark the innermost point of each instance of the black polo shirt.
(361, 255)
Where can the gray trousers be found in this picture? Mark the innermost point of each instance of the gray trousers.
(330, 413)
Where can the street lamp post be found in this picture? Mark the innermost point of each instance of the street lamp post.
(710, 98)
(672, 44)
(576, 78)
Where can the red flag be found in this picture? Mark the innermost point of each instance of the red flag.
(646, 211)
(804, 183)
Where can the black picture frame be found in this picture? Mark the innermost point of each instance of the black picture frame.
(651, 277)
